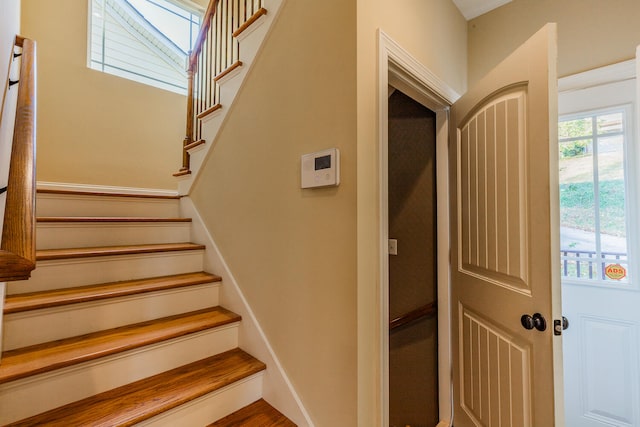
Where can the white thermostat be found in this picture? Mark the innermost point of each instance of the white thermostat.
(321, 169)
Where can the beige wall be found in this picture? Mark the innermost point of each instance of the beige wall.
(307, 260)
(293, 251)
(591, 33)
(434, 32)
(94, 128)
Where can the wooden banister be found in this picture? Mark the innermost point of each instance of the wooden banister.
(215, 54)
(207, 19)
(18, 245)
(427, 310)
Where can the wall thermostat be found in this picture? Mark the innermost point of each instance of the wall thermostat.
(321, 169)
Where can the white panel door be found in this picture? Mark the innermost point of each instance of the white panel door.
(504, 242)
(601, 346)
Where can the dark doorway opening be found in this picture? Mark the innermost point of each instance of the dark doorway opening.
(413, 346)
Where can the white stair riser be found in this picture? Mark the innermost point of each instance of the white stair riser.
(38, 326)
(197, 157)
(91, 271)
(23, 398)
(83, 205)
(212, 406)
(79, 235)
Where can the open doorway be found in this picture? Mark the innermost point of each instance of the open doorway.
(413, 328)
(400, 70)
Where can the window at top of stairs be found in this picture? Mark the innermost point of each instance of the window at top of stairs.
(143, 40)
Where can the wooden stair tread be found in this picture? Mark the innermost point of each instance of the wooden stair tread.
(90, 219)
(101, 194)
(228, 71)
(194, 144)
(141, 400)
(258, 414)
(182, 172)
(20, 363)
(58, 297)
(252, 19)
(206, 112)
(55, 254)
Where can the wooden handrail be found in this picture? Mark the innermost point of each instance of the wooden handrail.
(18, 246)
(427, 310)
(202, 34)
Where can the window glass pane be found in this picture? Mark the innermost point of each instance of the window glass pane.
(573, 149)
(610, 123)
(575, 128)
(612, 194)
(169, 19)
(143, 40)
(593, 198)
(577, 202)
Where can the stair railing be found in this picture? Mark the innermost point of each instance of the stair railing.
(427, 310)
(18, 245)
(215, 54)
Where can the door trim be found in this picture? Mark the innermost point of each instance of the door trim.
(398, 68)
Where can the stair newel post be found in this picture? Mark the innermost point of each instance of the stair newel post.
(188, 139)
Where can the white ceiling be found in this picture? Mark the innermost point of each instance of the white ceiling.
(472, 8)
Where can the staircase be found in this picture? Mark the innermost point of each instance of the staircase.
(119, 325)
(227, 46)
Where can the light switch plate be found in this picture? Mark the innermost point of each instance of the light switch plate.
(393, 247)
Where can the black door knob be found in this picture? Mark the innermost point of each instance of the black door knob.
(536, 321)
(527, 322)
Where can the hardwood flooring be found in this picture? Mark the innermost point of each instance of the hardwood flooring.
(258, 414)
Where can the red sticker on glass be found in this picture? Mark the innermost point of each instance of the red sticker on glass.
(615, 272)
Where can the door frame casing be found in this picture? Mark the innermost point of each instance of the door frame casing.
(398, 68)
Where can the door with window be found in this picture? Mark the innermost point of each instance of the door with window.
(598, 171)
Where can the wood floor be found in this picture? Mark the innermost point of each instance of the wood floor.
(258, 414)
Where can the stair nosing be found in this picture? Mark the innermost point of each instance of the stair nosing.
(50, 356)
(166, 394)
(18, 303)
(105, 194)
(106, 219)
(102, 251)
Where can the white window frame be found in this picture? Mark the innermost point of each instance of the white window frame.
(610, 88)
(599, 260)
